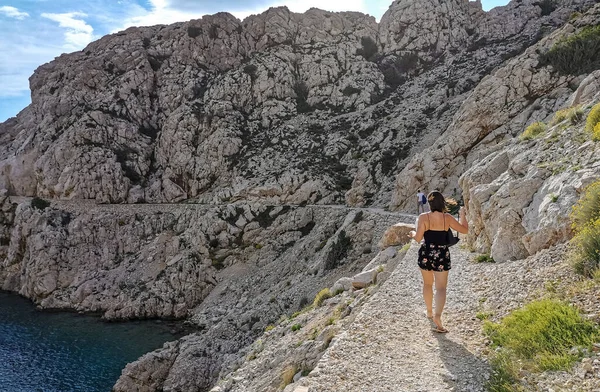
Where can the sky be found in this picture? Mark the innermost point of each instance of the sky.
(34, 32)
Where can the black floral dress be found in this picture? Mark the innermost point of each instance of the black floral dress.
(434, 257)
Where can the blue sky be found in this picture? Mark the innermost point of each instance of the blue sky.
(33, 32)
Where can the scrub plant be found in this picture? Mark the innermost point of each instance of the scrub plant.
(533, 131)
(287, 376)
(592, 122)
(536, 338)
(573, 114)
(321, 296)
(577, 54)
(585, 221)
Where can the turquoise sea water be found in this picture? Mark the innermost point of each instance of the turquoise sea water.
(50, 351)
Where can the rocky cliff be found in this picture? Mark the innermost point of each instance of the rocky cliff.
(320, 107)
(261, 127)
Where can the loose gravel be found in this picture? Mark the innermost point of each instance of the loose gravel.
(391, 345)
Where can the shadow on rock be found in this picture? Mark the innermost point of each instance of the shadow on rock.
(466, 371)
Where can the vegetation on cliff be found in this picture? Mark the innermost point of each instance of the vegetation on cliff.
(586, 225)
(541, 336)
(577, 54)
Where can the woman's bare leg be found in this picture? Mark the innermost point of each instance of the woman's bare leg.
(428, 290)
(441, 282)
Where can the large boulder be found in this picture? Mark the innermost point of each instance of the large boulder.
(396, 235)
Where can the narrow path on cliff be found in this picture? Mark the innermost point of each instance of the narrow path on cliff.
(391, 345)
(89, 204)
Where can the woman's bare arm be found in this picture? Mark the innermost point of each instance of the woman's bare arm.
(462, 226)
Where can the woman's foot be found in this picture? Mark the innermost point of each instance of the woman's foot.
(437, 320)
(429, 315)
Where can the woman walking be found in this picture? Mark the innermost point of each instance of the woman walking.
(434, 255)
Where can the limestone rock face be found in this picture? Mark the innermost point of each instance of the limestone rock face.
(428, 27)
(505, 182)
(285, 108)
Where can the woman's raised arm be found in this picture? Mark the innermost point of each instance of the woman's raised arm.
(462, 226)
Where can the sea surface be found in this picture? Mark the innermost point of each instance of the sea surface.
(57, 351)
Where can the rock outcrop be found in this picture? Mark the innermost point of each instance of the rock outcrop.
(505, 182)
(286, 108)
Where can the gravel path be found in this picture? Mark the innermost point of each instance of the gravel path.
(391, 347)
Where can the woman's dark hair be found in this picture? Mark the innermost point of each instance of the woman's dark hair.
(437, 202)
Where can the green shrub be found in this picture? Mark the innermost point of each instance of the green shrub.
(485, 258)
(296, 327)
(586, 250)
(39, 204)
(587, 208)
(532, 131)
(577, 54)
(505, 373)
(593, 119)
(573, 114)
(483, 315)
(321, 296)
(541, 335)
(596, 133)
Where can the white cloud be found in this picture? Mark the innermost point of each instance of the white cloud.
(13, 12)
(78, 33)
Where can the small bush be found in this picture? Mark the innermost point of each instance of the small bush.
(505, 373)
(39, 204)
(541, 335)
(553, 197)
(287, 376)
(573, 114)
(596, 133)
(577, 54)
(330, 334)
(302, 92)
(587, 208)
(485, 258)
(269, 328)
(303, 302)
(586, 250)
(321, 296)
(369, 48)
(218, 263)
(593, 119)
(533, 131)
(296, 327)
(483, 315)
